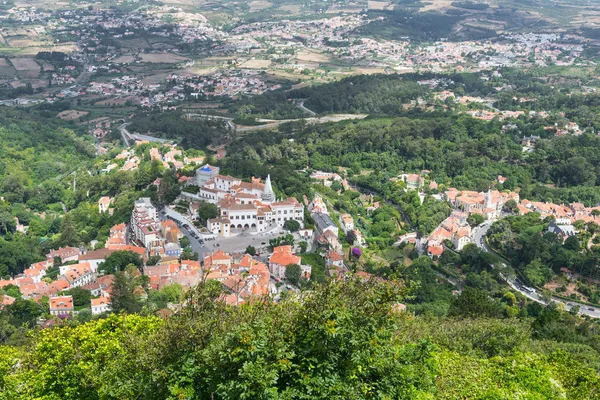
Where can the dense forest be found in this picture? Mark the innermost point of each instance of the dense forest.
(344, 340)
(197, 133)
(460, 151)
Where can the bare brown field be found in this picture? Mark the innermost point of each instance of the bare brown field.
(32, 51)
(124, 60)
(25, 42)
(344, 10)
(369, 71)
(434, 5)
(294, 8)
(47, 66)
(70, 115)
(35, 83)
(6, 69)
(256, 64)
(165, 58)
(155, 78)
(378, 5)
(201, 71)
(117, 102)
(133, 43)
(26, 67)
(259, 5)
(311, 56)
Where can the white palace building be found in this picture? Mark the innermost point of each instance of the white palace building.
(244, 206)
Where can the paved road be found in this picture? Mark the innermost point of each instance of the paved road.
(124, 134)
(195, 244)
(300, 105)
(478, 238)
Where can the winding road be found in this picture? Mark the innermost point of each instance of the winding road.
(478, 238)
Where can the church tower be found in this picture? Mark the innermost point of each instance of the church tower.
(268, 196)
(488, 199)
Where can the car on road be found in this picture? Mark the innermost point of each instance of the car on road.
(162, 213)
(591, 309)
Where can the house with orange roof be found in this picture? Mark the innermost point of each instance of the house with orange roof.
(61, 306)
(100, 305)
(217, 258)
(58, 286)
(34, 289)
(6, 300)
(95, 257)
(118, 229)
(78, 274)
(66, 254)
(346, 222)
(282, 257)
(104, 204)
(333, 258)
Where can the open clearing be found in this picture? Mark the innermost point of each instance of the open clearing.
(26, 67)
(155, 79)
(435, 5)
(259, 5)
(124, 60)
(6, 69)
(310, 56)
(294, 8)
(378, 5)
(70, 115)
(25, 42)
(200, 71)
(256, 64)
(164, 58)
(47, 66)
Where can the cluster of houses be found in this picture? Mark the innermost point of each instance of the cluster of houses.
(327, 235)
(455, 229)
(159, 238)
(168, 154)
(488, 204)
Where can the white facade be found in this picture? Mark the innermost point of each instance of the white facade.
(144, 223)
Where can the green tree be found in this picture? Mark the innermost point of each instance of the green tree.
(250, 250)
(475, 219)
(303, 246)
(68, 232)
(293, 273)
(291, 225)
(118, 261)
(122, 294)
(474, 303)
(207, 211)
(81, 297)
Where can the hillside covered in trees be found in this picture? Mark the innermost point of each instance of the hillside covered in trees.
(344, 340)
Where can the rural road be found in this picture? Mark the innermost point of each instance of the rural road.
(300, 105)
(478, 238)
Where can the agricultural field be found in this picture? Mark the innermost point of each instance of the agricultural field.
(380, 5)
(26, 67)
(259, 5)
(256, 64)
(312, 57)
(162, 58)
(6, 69)
(124, 60)
(70, 115)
